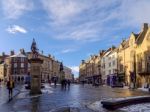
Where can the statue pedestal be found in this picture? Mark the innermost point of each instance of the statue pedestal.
(35, 72)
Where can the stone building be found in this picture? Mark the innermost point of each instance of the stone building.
(46, 66)
(82, 71)
(3, 66)
(56, 70)
(133, 58)
(68, 73)
(130, 61)
(90, 70)
(17, 66)
(3, 71)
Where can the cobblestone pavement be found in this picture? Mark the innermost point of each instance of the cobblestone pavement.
(77, 96)
(4, 93)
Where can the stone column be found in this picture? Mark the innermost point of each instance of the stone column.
(35, 73)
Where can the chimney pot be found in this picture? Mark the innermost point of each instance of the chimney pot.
(12, 52)
(145, 26)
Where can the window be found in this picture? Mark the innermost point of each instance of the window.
(15, 71)
(113, 56)
(110, 64)
(104, 66)
(28, 65)
(15, 59)
(103, 59)
(22, 59)
(109, 71)
(104, 72)
(121, 68)
(22, 65)
(22, 71)
(15, 65)
(114, 63)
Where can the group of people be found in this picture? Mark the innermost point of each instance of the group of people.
(65, 84)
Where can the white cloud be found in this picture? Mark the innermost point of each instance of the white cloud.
(68, 50)
(16, 29)
(62, 11)
(83, 32)
(75, 70)
(13, 9)
(93, 20)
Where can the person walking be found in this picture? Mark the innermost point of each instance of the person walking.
(10, 86)
(68, 82)
(55, 83)
(65, 84)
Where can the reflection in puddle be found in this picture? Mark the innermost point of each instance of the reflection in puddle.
(35, 102)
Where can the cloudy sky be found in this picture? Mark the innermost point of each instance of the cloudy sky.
(70, 30)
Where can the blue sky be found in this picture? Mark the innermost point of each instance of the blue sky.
(70, 30)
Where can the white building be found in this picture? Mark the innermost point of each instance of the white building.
(111, 63)
(104, 65)
(108, 63)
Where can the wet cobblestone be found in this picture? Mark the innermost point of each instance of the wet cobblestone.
(77, 96)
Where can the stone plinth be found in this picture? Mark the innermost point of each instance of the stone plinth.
(35, 72)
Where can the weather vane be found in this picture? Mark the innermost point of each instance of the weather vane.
(34, 49)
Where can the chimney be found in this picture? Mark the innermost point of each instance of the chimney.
(12, 52)
(145, 26)
(3, 53)
(42, 52)
(83, 61)
(22, 51)
(113, 47)
(49, 56)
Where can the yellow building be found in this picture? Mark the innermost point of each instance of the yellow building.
(134, 58)
(56, 69)
(47, 66)
(2, 71)
(90, 70)
(82, 71)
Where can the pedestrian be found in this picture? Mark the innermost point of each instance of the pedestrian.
(55, 82)
(83, 83)
(49, 82)
(68, 82)
(62, 84)
(10, 86)
(65, 83)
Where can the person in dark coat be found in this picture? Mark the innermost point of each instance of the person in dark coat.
(68, 82)
(65, 83)
(55, 83)
(10, 86)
